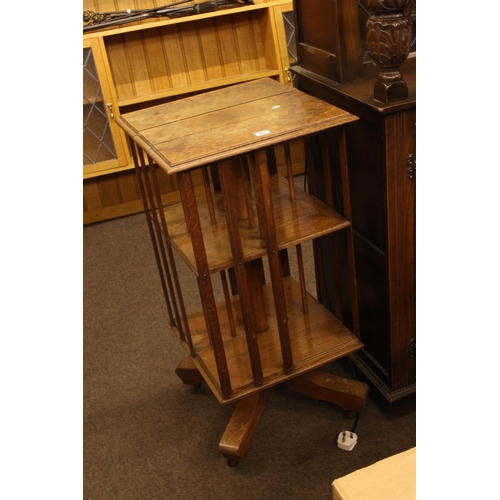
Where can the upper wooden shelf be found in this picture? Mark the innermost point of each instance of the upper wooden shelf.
(148, 24)
(296, 222)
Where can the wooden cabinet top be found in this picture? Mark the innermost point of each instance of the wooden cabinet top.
(228, 122)
(358, 95)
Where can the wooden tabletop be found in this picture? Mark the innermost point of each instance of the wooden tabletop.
(224, 123)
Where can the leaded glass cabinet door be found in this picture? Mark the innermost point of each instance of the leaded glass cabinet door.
(102, 140)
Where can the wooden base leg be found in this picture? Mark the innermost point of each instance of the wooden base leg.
(188, 373)
(239, 431)
(350, 395)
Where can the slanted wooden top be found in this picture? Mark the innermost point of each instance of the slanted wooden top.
(228, 122)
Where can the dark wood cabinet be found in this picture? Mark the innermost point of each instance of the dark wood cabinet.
(381, 150)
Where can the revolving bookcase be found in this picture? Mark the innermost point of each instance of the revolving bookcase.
(237, 229)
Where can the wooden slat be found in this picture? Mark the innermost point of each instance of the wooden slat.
(346, 196)
(229, 307)
(263, 199)
(211, 47)
(91, 197)
(192, 53)
(246, 44)
(176, 66)
(289, 170)
(205, 284)
(195, 106)
(109, 190)
(157, 60)
(226, 176)
(170, 268)
(119, 64)
(228, 48)
(138, 62)
(128, 188)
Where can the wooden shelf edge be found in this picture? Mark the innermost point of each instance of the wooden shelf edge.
(206, 85)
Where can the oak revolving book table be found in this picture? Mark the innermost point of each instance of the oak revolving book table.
(238, 229)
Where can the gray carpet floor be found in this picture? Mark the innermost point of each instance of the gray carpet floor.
(149, 437)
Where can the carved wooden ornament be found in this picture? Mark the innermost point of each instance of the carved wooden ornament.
(388, 36)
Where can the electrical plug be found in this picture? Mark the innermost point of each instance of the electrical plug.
(347, 440)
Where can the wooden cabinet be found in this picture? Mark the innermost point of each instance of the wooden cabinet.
(160, 60)
(381, 157)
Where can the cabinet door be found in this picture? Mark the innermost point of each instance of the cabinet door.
(103, 148)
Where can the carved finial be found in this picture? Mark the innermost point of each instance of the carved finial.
(388, 36)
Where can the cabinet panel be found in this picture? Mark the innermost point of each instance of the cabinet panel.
(322, 44)
(178, 58)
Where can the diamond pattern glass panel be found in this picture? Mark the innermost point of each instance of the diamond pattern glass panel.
(291, 43)
(98, 145)
(288, 21)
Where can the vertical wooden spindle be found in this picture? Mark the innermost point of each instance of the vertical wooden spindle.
(289, 169)
(300, 265)
(186, 190)
(208, 194)
(229, 307)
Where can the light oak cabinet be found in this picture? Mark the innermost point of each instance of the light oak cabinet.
(160, 60)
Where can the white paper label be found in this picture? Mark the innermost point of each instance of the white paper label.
(262, 132)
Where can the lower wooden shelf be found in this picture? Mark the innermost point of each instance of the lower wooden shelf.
(317, 337)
